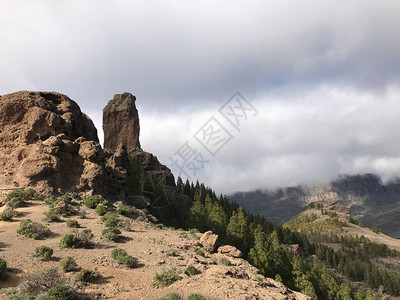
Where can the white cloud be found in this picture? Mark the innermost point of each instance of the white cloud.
(324, 75)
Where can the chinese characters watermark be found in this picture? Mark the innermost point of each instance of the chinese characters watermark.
(212, 136)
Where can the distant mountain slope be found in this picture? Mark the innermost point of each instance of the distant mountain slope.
(278, 206)
(371, 202)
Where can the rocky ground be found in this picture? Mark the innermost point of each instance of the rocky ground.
(155, 248)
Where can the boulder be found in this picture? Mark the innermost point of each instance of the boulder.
(209, 241)
(230, 251)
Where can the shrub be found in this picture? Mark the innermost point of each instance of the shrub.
(141, 219)
(3, 268)
(73, 223)
(170, 296)
(8, 214)
(111, 233)
(128, 261)
(41, 281)
(43, 252)
(33, 230)
(118, 252)
(82, 213)
(127, 211)
(191, 270)
(159, 226)
(110, 219)
(183, 235)
(92, 201)
(62, 292)
(200, 252)
(18, 198)
(68, 264)
(52, 215)
(376, 229)
(87, 275)
(123, 258)
(224, 261)
(166, 278)
(67, 241)
(196, 297)
(101, 209)
(50, 200)
(258, 278)
(77, 240)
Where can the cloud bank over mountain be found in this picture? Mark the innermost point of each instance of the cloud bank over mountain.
(323, 76)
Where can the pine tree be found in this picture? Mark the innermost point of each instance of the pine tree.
(238, 231)
(197, 215)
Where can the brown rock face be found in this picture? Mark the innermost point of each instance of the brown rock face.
(230, 251)
(121, 127)
(47, 142)
(121, 122)
(209, 240)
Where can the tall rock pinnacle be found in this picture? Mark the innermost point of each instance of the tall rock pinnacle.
(121, 128)
(121, 123)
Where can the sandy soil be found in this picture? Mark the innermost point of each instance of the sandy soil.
(143, 241)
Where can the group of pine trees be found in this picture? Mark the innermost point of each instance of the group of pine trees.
(262, 242)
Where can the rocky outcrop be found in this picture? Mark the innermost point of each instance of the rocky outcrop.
(47, 142)
(230, 251)
(121, 123)
(209, 241)
(121, 127)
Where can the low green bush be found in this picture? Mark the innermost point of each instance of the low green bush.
(224, 261)
(50, 200)
(127, 211)
(111, 233)
(68, 264)
(3, 268)
(170, 296)
(128, 261)
(77, 240)
(118, 252)
(8, 214)
(200, 252)
(33, 230)
(92, 201)
(43, 252)
(52, 215)
(101, 209)
(18, 198)
(87, 275)
(196, 297)
(73, 223)
(122, 257)
(110, 219)
(62, 292)
(191, 270)
(166, 278)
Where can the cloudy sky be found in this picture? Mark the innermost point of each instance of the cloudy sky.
(323, 76)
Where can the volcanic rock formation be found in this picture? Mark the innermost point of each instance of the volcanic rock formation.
(121, 127)
(121, 122)
(47, 142)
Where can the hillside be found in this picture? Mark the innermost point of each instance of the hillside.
(371, 202)
(155, 247)
(340, 237)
